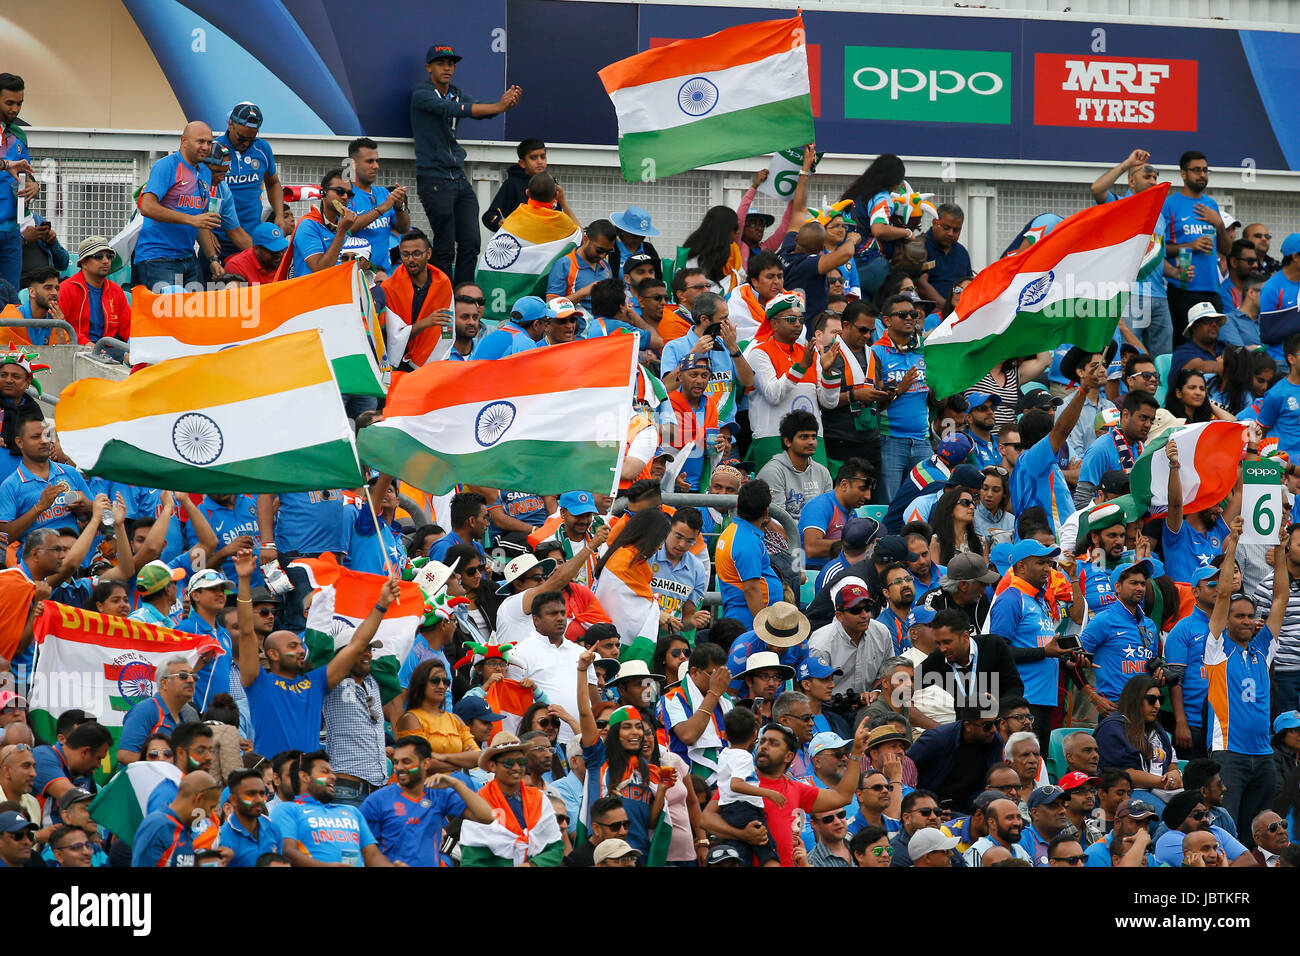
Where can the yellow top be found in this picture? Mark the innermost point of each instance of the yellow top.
(446, 733)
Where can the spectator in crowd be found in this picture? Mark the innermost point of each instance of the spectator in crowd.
(41, 248)
(574, 276)
(513, 192)
(252, 171)
(1195, 226)
(380, 211)
(162, 713)
(260, 261)
(951, 260)
(174, 204)
(15, 161)
(94, 304)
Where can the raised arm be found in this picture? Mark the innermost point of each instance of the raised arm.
(799, 201)
(344, 660)
(207, 538)
(590, 734)
(249, 663)
(1091, 377)
(81, 547)
(566, 572)
(1174, 519)
(1281, 583)
(1102, 184)
(1223, 593)
(156, 539)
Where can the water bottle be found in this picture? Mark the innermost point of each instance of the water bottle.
(214, 201)
(352, 857)
(1184, 263)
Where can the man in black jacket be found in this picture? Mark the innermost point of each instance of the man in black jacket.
(513, 193)
(952, 759)
(964, 588)
(976, 670)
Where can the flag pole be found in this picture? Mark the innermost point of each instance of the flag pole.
(388, 565)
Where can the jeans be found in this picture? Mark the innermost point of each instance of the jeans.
(1148, 316)
(897, 457)
(11, 256)
(354, 405)
(1250, 780)
(155, 274)
(345, 791)
(452, 209)
(1285, 694)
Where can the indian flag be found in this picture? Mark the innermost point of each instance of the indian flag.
(551, 419)
(1209, 457)
(265, 417)
(1071, 286)
(624, 591)
(337, 301)
(101, 664)
(341, 600)
(122, 804)
(493, 844)
(741, 92)
(518, 259)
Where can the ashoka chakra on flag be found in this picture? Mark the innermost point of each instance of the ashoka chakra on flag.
(197, 438)
(502, 251)
(697, 96)
(492, 422)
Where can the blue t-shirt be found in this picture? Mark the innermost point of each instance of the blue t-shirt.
(329, 832)
(600, 327)
(1239, 694)
(636, 794)
(675, 585)
(557, 280)
(1189, 550)
(213, 679)
(246, 846)
(986, 452)
(310, 523)
(1189, 351)
(1102, 456)
(229, 524)
(722, 370)
(147, 717)
(826, 514)
(1279, 414)
(1169, 847)
(949, 267)
(908, 415)
(13, 149)
(1120, 644)
(1037, 480)
(410, 831)
(1185, 644)
(286, 714)
(1154, 284)
(523, 506)
(367, 551)
(498, 343)
(20, 492)
(313, 237)
(1025, 621)
(163, 839)
(247, 171)
(438, 550)
(1239, 329)
(1185, 226)
(38, 336)
(379, 234)
(95, 312)
(741, 555)
(51, 765)
(177, 185)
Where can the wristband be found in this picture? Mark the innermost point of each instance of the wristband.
(268, 544)
(735, 355)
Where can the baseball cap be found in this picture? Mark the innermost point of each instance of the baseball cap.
(561, 307)
(91, 245)
(1291, 244)
(1144, 565)
(927, 841)
(1137, 809)
(10, 698)
(268, 236)
(851, 595)
(1076, 779)
(920, 615)
(967, 566)
(966, 476)
(210, 578)
(442, 51)
(816, 667)
(1204, 574)
(1202, 311)
(859, 532)
(613, 850)
(218, 156)
(1001, 556)
(1042, 795)
(1114, 482)
(723, 853)
(529, 309)
(694, 360)
(975, 399)
(247, 114)
(954, 449)
(1289, 720)
(578, 502)
(893, 548)
(476, 708)
(638, 259)
(75, 795)
(1029, 548)
(1040, 398)
(826, 740)
(153, 577)
(11, 821)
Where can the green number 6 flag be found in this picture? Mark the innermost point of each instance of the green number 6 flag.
(1261, 501)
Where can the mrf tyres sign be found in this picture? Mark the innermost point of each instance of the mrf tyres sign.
(927, 86)
(1107, 92)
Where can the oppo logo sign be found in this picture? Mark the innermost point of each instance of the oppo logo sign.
(927, 86)
(934, 84)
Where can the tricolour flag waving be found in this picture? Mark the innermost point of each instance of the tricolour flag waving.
(342, 599)
(740, 92)
(624, 591)
(517, 260)
(504, 841)
(265, 417)
(1209, 457)
(337, 301)
(123, 803)
(101, 664)
(1071, 286)
(551, 419)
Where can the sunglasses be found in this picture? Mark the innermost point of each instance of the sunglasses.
(616, 825)
(181, 675)
(880, 787)
(927, 811)
(160, 755)
(656, 298)
(1149, 376)
(342, 192)
(264, 611)
(473, 570)
(885, 850)
(1070, 860)
(909, 314)
(550, 723)
(101, 255)
(24, 836)
(471, 300)
(74, 847)
(838, 815)
(533, 579)
(864, 329)
(1275, 826)
(1153, 699)
(513, 761)
(679, 652)
(966, 502)
(1011, 444)
(602, 724)
(566, 320)
(561, 818)
(897, 581)
(1199, 814)
(440, 681)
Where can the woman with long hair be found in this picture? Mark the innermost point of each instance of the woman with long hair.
(993, 509)
(712, 247)
(1130, 738)
(1247, 375)
(670, 652)
(475, 578)
(953, 520)
(1189, 398)
(624, 573)
(872, 209)
(618, 764)
(427, 716)
(109, 597)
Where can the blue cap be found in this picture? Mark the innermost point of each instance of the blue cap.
(529, 309)
(268, 236)
(473, 707)
(578, 502)
(694, 360)
(1029, 548)
(247, 114)
(816, 667)
(1157, 567)
(1042, 795)
(635, 220)
(965, 476)
(920, 615)
(218, 156)
(1203, 574)
(975, 399)
(1001, 556)
(1291, 244)
(1287, 721)
(1144, 566)
(859, 532)
(827, 740)
(11, 821)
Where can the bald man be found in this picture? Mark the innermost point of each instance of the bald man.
(174, 204)
(165, 837)
(18, 734)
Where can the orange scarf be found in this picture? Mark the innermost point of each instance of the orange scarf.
(399, 293)
(532, 800)
(784, 356)
(286, 260)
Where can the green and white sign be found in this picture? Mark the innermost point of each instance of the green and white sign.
(1261, 501)
(783, 173)
(927, 86)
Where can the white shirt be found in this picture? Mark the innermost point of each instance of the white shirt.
(975, 855)
(513, 625)
(734, 762)
(553, 669)
(860, 662)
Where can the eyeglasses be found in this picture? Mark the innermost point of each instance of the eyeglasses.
(1153, 699)
(473, 570)
(74, 847)
(159, 755)
(1011, 444)
(101, 255)
(695, 288)
(550, 723)
(1198, 169)
(181, 675)
(1074, 860)
(513, 761)
(264, 611)
(1148, 376)
(471, 300)
(966, 502)
(440, 681)
(896, 582)
(880, 787)
(342, 192)
(885, 850)
(909, 314)
(1020, 718)
(926, 811)
(679, 652)
(830, 817)
(616, 825)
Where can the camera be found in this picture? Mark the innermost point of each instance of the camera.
(1173, 672)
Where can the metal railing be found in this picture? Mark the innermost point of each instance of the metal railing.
(21, 322)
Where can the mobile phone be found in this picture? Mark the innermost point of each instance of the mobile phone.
(715, 330)
(1069, 642)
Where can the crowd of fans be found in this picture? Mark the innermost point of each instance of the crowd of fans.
(943, 633)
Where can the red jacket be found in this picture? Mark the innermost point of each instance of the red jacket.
(74, 303)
